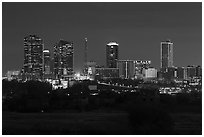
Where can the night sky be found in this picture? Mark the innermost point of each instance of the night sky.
(137, 27)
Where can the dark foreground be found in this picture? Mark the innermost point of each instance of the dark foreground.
(92, 123)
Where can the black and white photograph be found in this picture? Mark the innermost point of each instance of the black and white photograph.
(101, 68)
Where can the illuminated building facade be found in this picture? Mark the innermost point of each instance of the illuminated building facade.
(47, 64)
(166, 54)
(91, 69)
(33, 57)
(149, 73)
(111, 54)
(139, 65)
(10, 75)
(63, 59)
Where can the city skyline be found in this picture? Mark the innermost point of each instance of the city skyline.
(102, 68)
(107, 27)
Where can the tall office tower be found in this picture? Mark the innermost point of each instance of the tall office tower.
(85, 56)
(111, 54)
(33, 57)
(47, 64)
(166, 54)
(63, 59)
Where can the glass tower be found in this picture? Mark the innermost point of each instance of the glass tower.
(166, 54)
(47, 63)
(63, 59)
(33, 57)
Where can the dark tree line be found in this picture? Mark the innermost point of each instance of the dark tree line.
(148, 112)
(31, 96)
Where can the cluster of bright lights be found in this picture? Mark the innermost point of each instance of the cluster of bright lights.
(78, 76)
(170, 90)
(62, 84)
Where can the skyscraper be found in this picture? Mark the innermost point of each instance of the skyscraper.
(47, 63)
(63, 59)
(166, 54)
(33, 57)
(111, 54)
